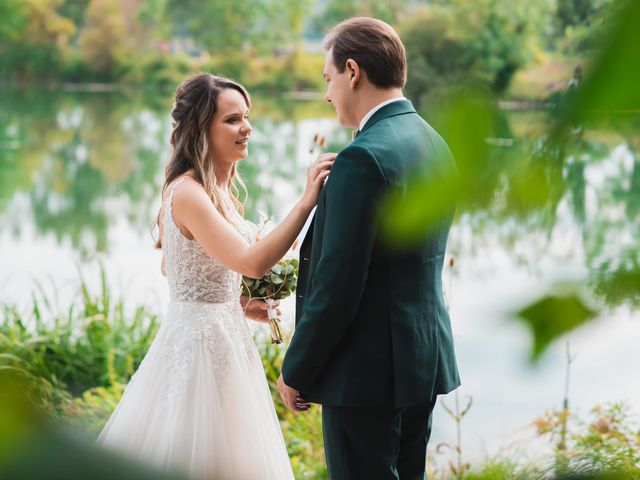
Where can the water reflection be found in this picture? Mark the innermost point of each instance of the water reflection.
(75, 165)
(74, 155)
(85, 161)
(80, 176)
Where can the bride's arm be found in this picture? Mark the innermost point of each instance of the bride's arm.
(194, 211)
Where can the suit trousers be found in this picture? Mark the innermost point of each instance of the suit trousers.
(376, 443)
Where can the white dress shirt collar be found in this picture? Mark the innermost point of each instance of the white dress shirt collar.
(370, 113)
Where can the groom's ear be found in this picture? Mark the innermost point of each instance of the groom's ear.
(353, 70)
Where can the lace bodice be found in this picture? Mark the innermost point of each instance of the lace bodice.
(192, 274)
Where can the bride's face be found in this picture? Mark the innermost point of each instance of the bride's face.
(230, 128)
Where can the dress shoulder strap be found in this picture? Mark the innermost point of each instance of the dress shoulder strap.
(173, 190)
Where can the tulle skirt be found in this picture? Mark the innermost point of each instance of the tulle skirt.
(200, 403)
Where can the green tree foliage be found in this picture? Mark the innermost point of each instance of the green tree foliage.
(579, 24)
(106, 38)
(485, 41)
(217, 26)
(75, 11)
(222, 27)
(334, 11)
(153, 18)
(13, 18)
(33, 37)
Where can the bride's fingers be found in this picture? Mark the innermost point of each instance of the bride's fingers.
(324, 170)
(327, 157)
(315, 169)
(321, 176)
(300, 407)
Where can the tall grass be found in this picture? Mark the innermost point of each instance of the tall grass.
(92, 343)
(77, 361)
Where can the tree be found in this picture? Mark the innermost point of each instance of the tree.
(75, 11)
(580, 24)
(105, 37)
(34, 37)
(335, 11)
(12, 20)
(216, 25)
(485, 41)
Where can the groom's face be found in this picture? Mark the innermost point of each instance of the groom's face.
(339, 92)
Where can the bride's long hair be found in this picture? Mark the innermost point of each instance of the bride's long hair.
(194, 106)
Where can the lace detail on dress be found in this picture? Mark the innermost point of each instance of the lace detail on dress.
(192, 274)
(205, 308)
(219, 328)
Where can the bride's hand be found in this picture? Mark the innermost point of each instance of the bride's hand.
(316, 175)
(257, 310)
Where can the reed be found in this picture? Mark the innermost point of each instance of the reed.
(94, 342)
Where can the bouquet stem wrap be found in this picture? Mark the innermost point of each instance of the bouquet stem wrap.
(274, 322)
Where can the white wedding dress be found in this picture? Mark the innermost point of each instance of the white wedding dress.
(199, 402)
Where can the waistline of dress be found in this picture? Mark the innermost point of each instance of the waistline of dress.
(227, 303)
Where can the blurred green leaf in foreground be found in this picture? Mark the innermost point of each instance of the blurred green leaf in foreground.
(552, 316)
(610, 88)
(34, 448)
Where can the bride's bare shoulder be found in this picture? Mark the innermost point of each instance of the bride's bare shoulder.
(190, 200)
(185, 188)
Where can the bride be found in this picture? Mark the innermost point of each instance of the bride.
(199, 402)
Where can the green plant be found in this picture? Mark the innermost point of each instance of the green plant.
(94, 342)
(276, 284)
(608, 441)
(92, 409)
(302, 431)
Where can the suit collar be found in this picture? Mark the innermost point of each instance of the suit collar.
(371, 112)
(392, 109)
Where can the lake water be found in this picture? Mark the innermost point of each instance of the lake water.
(80, 175)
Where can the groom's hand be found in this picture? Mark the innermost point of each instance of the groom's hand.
(257, 310)
(291, 397)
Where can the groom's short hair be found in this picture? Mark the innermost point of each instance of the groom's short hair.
(374, 45)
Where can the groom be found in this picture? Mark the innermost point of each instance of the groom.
(373, 340)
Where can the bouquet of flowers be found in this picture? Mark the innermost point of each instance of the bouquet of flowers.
(278, 283)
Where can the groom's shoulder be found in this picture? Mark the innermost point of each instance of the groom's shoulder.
(392, 134)
(395, 126)
(357, 157)
(356, 151)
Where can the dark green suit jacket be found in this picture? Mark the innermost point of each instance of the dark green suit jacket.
(371, 324)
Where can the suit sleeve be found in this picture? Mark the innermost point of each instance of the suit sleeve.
(355, 183)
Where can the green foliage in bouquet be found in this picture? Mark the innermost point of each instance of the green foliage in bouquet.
(276, 284)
